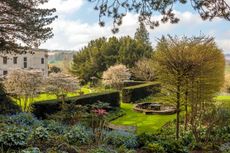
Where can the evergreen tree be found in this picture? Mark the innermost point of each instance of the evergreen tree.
(142, 34)
(102, 53)
(23, 24)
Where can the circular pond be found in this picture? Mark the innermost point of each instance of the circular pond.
(155, 108)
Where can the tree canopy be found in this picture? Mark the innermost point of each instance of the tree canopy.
(191, 71)
(24, 24)
(100, 54)
(117, 9)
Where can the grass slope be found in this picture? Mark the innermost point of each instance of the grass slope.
(144, 123)
(45, 96)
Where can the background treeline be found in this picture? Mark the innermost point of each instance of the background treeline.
(102, 53)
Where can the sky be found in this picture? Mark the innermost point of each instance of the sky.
(77, 24)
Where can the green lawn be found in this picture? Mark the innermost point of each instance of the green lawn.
(45, 96)
(151, 123)
(223, 100)
(144, 123)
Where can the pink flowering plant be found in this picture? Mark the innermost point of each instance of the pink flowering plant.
(99, 122)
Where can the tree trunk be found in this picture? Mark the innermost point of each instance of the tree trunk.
(186, 111)
(178, 111)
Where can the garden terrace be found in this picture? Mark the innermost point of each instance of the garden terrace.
(154, 108)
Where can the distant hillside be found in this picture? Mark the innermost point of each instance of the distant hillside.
(227, 57)
(58, 56)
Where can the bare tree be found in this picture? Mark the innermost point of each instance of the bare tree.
(144, 70)
(23, 85)
(116, 75)
(61, 84)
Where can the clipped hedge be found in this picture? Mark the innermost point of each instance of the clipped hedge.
(43, 108)
(133, 83)
(138, 92)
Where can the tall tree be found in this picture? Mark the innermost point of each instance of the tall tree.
(191, 71)
(100, 54)
(23, 24)
(117, 9)
(142, 34)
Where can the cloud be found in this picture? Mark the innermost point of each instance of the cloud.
(64, 6)
(224, 44)
(74, 34)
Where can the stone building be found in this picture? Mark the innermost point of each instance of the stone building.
(34, 60)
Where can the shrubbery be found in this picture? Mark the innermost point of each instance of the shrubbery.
(44, 108)
(119, 138)
(14, 137)
(138, 92)
(78, 135)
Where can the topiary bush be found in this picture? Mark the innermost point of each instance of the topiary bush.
(119, 138)
(138, 92)
(13, 137)
(78, 135)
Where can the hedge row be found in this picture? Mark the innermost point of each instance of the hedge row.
(44, 108)
(138, 92)
(133, 83)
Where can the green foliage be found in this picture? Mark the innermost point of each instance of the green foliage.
(54, 69)
(102, 53)
(78, 135)
(142, 34)
(70, 114)
(24, 119)
(41, 109)
(119, 138)
(54, 126)
(145, 139)
(135, 93)
(123, 149)
(31, 26)
(13, 137)
(40, 134)
(7, 106)
(31, 150)
(102, 149)
(225, 148)
(154, 148)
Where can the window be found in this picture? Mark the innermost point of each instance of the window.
(5, 72)
(15, 60)
(25, 62)
(42, 61)
(5, 60)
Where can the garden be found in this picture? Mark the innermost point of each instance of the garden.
(65, 113)
(118, 94)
